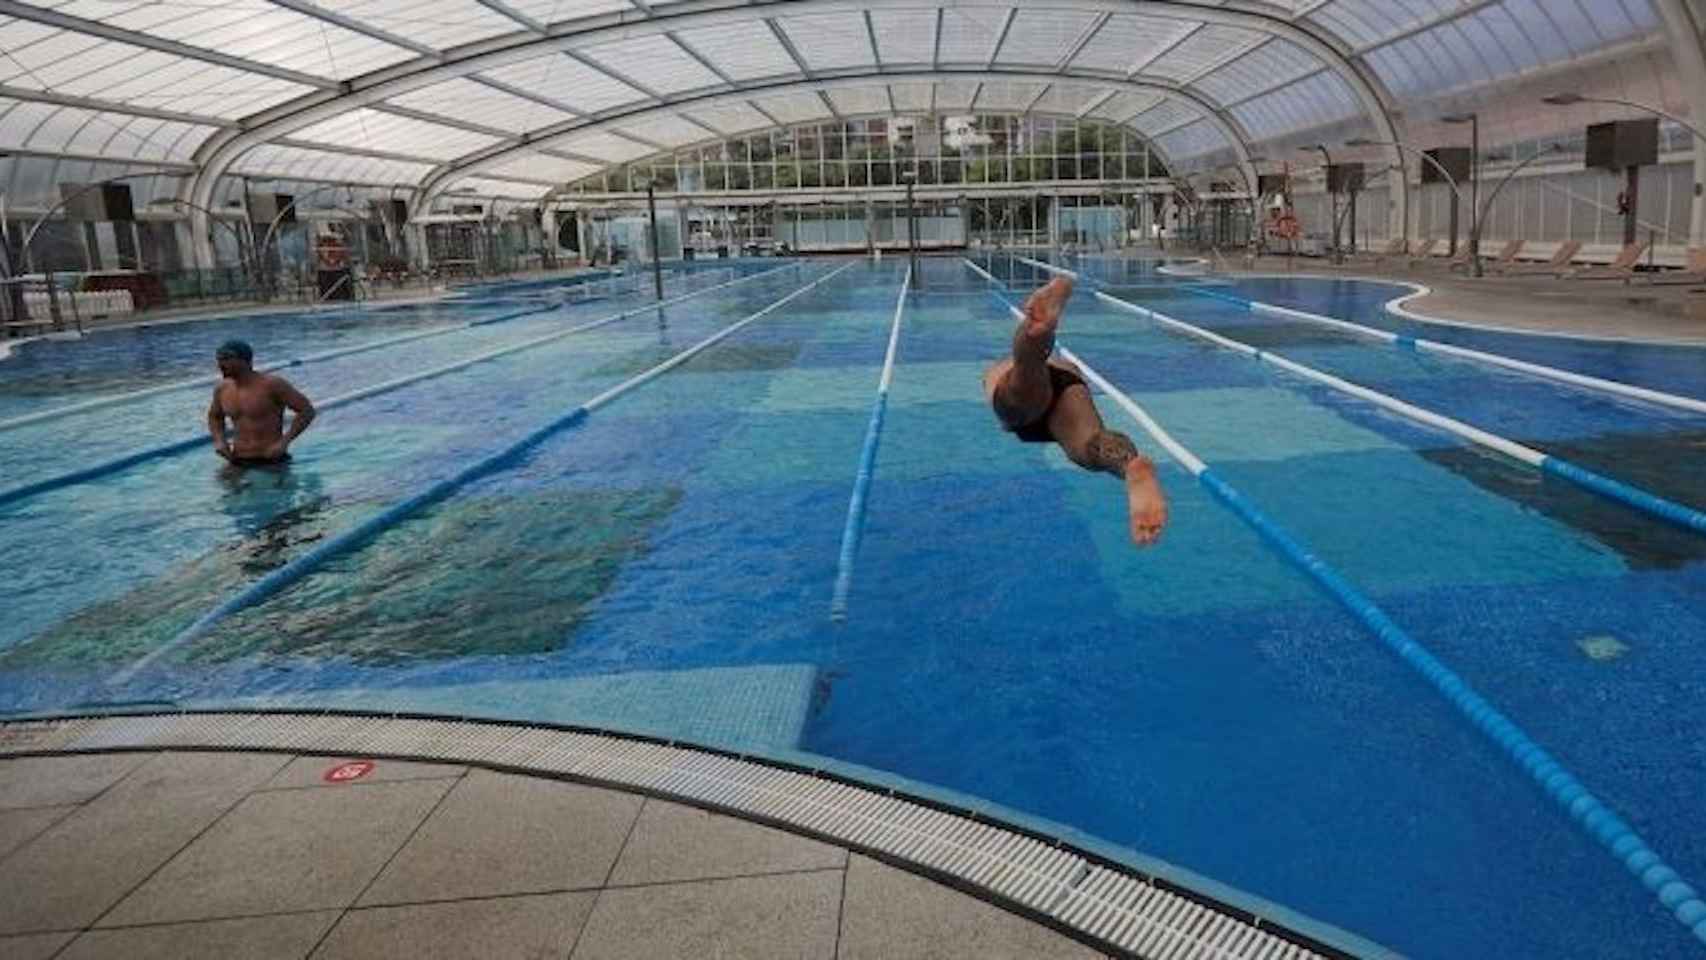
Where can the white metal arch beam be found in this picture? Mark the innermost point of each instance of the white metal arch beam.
(473, 164)
(1687, 29)
(217, 155)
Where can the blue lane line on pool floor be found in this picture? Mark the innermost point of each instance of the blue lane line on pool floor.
(1670, 511)
(174, 447)
(851, 533)
(1583, 808)
(362, 533)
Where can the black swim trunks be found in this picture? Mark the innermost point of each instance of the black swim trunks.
(1037, 430)
(279, 461)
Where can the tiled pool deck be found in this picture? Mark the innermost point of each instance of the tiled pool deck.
(225, 855)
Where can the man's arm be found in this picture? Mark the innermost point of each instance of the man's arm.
(299, 405)
(216, 426)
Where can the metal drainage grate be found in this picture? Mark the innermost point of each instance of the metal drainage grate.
(1100, 903)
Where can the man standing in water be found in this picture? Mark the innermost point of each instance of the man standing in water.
(255, 402)
(1042, 400)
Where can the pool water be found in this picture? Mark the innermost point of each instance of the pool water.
(667, 565)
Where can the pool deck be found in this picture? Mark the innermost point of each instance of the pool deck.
(240, 854)
(1587, 308)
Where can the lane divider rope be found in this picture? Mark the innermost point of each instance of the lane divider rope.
(1540, 370)
(1627, 494)
(361, 533)
(1583, 808)
(172, 448)
(850, 534)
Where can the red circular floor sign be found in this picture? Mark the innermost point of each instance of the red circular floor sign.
(345, 772)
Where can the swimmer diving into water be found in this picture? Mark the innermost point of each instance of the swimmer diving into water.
(1042, 400)
(255, 402)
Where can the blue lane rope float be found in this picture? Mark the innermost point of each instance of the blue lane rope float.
(172, 448)
(1587, 811)
(1668, 510)
(361, 533)
(850, 534)
(1540, 370)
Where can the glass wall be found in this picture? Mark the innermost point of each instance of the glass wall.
(875, 153)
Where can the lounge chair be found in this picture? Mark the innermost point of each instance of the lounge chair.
(1506, 256)
(1394, 249)
(1423, 252)
(1695, 272)
(1559, 264)
(1622, 268)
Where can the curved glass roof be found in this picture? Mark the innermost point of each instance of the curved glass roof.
(524, 95)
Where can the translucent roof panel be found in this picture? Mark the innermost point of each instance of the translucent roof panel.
(955, 94)
(1127, 42)
(1006, 97)
(439, 24)
(1192, 140)
(1164, 116)
(557, 11)
(48, 128)
(251, 29)
(666, 129)
(1125, 105)
(494, 187)
(602, 146)
(541, 166)
(740, 51)
(280, 160)
(655, 62)
(855, 100)
(905, 36)
(1202, 52)
(1043, 38)
(830, 41)
(969, 34)
(567, 81)
(1314, 101)
(730, 118)
(793, 107)
(1069, 98)
(912, 97)
(79, 65)
(1271, 65)
(365, 129)
(471, 102)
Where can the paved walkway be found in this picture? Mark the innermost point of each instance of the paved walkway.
(234, 855)
(1601, 308)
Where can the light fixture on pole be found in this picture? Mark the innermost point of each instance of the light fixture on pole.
(1474, 121)
(1571, 99)
(657, 252)
(1427, 158)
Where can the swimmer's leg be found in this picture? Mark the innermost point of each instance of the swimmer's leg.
(1025, 390)
(1079, 430)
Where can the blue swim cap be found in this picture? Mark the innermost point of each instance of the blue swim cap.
(236, 348)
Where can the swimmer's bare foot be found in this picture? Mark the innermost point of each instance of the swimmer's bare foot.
(1044, 307)
(1145, 502)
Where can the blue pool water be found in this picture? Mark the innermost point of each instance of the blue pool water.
(667, 566)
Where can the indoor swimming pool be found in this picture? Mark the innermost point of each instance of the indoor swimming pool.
(696, 519)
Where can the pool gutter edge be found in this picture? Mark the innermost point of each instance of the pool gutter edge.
(1079, 892)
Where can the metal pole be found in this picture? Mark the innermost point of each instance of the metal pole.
(1475, 268)
(912, 234)
(657, 252)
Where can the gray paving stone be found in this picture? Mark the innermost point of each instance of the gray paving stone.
(754, 918)
(311, 772)
(18, 827)
(504, 928)
(674, 842)
(890, 913)
(246, 938)
(283, 851)
(56, 781)
(35, 946)
(75, 870)
(498, 834)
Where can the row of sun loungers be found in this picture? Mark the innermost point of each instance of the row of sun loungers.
(1560, 264)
